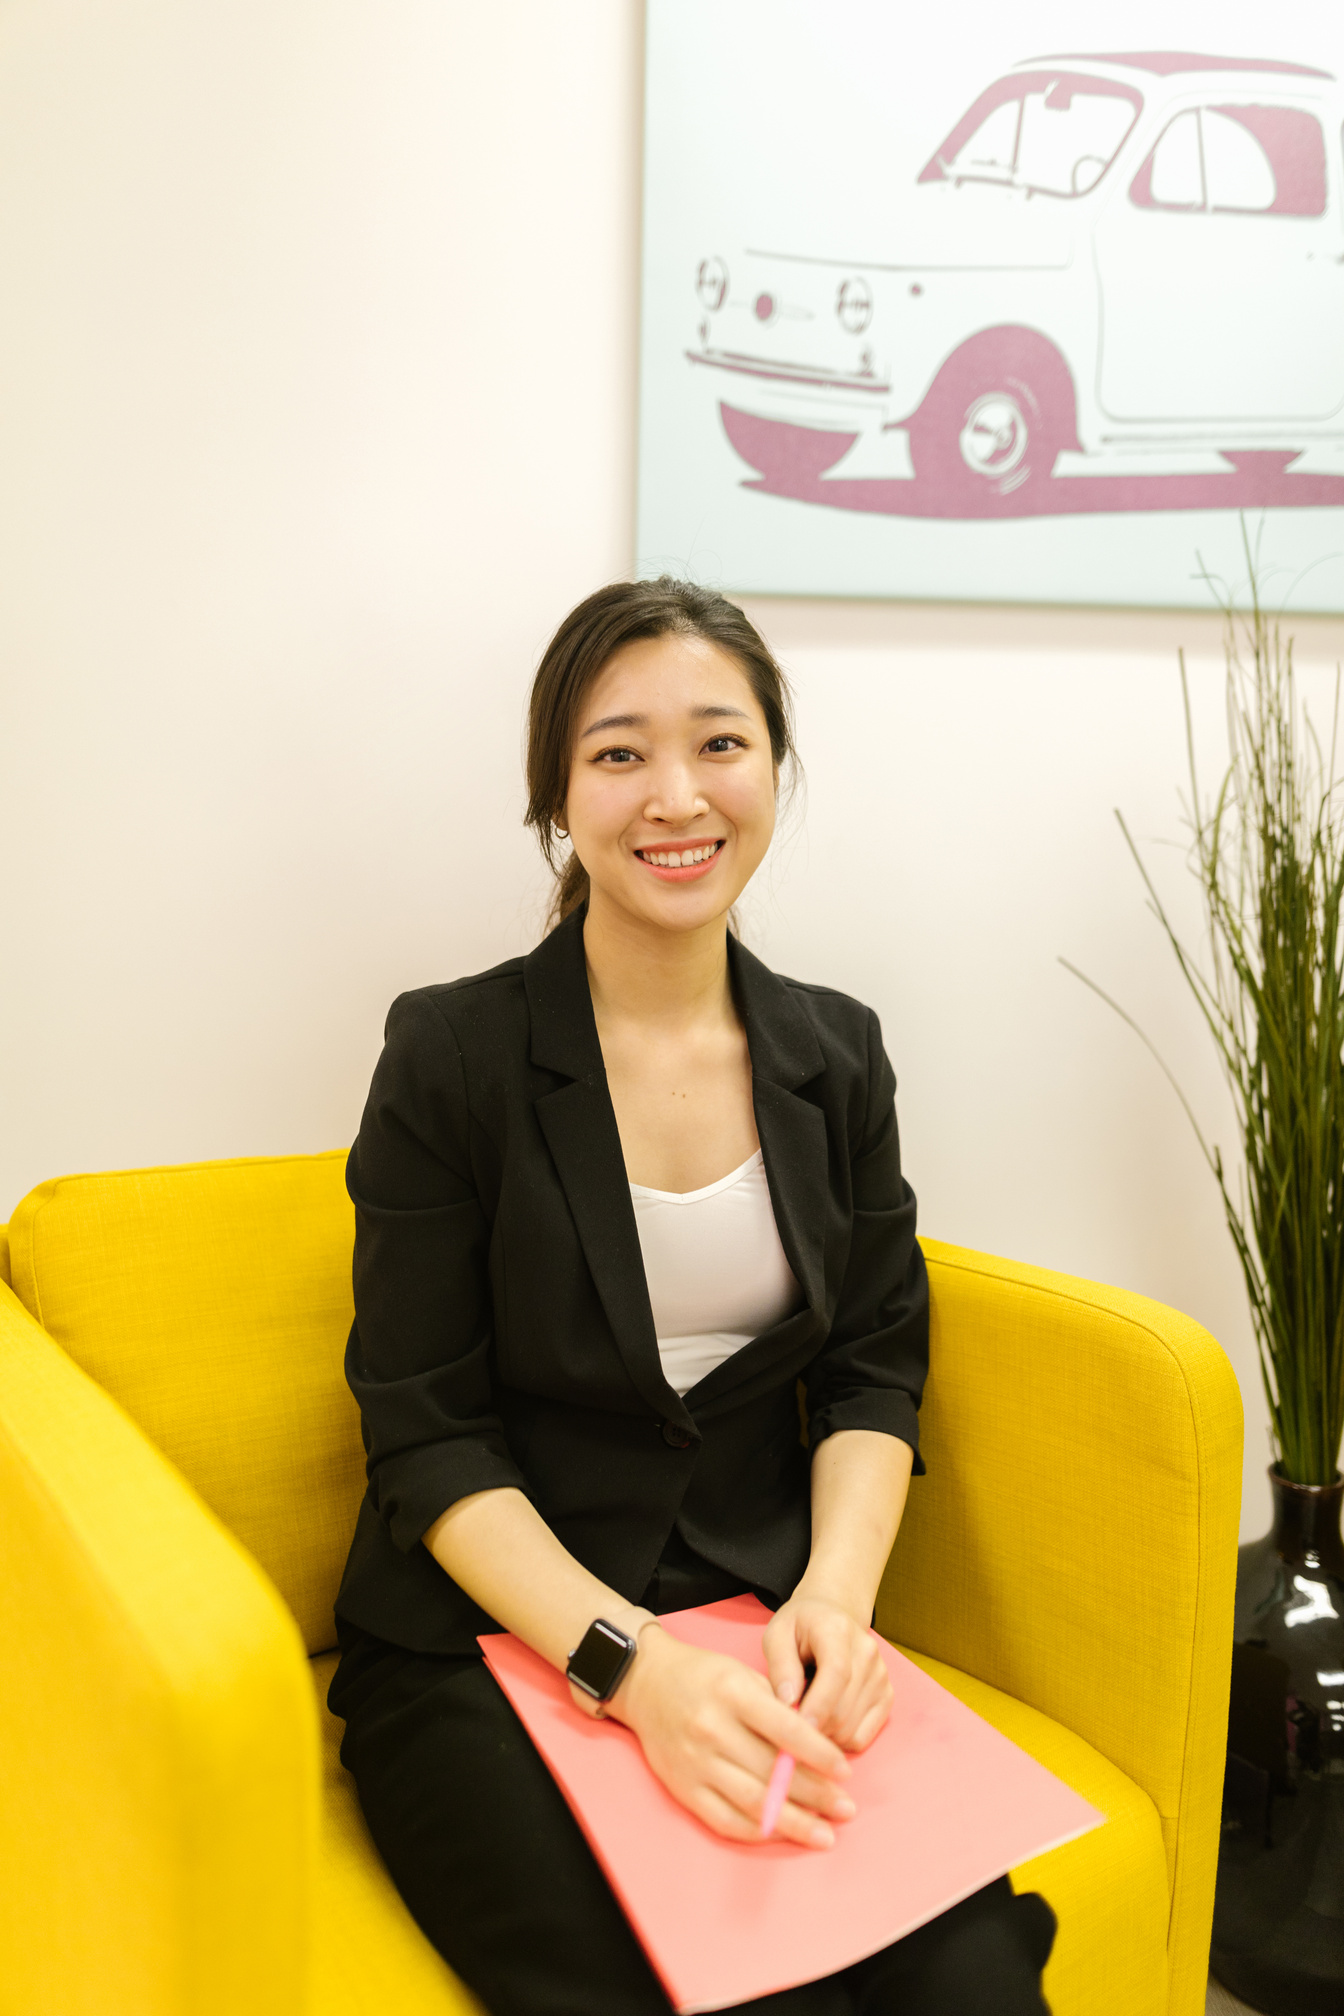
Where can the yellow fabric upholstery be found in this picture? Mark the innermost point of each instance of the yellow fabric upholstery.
(4, 1254)
(370, 1955)
(1109, 1889)
(158, 1776)
(1070, 1556)
(1074, 1543)
(213, 1302)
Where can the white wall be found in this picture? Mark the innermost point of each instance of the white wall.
(316, 412)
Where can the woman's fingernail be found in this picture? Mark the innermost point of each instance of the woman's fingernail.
(787, 1692)
(821, 1837)
(843, 1809)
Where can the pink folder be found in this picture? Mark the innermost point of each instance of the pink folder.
(945, 1803)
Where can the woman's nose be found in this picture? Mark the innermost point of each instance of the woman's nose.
(674, 797)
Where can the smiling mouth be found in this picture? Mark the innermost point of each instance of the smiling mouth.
(681, 864)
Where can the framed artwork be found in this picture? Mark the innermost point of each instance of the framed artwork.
(1039, 303)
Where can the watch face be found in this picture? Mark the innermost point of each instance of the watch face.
(601, 1658)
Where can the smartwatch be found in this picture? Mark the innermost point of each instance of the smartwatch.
(599, 1661)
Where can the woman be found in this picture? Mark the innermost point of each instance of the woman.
(614, 1201)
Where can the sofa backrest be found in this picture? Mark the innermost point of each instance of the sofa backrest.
(213, 1302)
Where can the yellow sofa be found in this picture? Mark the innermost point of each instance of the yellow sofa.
(180, 1463)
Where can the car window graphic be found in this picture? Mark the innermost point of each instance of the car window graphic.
(1172, 178)
(1247, 160)
(1237, 174)
(992, 148)
(1293, 148)
(1049, 132)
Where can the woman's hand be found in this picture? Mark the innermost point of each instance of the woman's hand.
(711, 1729)
(851, 1693)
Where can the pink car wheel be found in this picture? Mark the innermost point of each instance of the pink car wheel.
(994, 418)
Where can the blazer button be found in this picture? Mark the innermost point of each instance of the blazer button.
(675, 1437)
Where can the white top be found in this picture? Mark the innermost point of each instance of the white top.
(716, 1271)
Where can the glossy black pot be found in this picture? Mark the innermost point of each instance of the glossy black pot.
(1278, 1922)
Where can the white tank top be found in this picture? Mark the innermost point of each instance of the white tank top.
(717, 1273)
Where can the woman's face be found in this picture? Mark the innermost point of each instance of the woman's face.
(671, 762)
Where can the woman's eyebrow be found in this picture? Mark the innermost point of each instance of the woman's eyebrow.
(616, 721)
(710, 713)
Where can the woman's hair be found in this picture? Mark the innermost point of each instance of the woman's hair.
(589, 636)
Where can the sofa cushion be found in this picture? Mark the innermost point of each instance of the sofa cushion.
(1109, 1889)
(369, 1955)
(213, 1302)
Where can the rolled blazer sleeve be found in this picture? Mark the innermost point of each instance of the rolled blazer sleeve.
(418, 1359)
(871, 1371)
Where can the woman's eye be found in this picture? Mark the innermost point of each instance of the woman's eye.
(723, 745)
(617, 756)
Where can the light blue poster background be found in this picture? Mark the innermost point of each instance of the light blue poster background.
(1130, 277)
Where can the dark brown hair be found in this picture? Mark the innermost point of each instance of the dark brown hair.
(589, 636)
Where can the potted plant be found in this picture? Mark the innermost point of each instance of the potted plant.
(1267, 851)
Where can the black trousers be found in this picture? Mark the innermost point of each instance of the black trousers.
(496, 1872)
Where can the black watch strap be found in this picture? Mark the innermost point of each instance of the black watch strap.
(599, 1661)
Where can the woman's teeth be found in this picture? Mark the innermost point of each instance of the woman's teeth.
(686, 859)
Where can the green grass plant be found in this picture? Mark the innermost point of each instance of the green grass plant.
(1268, 853)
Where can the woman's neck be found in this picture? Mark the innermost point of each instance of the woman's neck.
(641, 974)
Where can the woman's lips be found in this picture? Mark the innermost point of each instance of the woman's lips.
(692, 872)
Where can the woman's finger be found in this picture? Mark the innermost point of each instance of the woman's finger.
(845, 1712)
(869, 1685)
(721, 1815)
(873, 1722)
(739, 1763)
(737, 1759)
(784, 1661)
(832, 1648)
(785, 1729)
(745, 1782)
(821, 1795)
(797, 1821)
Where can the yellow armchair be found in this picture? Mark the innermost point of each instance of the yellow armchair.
(179, 1468)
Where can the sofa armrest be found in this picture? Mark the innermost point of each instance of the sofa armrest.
(159, 1779)
(1075, 1540)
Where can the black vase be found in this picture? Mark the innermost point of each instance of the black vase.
(1278, 1921)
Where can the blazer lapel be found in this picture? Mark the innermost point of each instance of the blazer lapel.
(793, 1148)
(785, 1054)
(579, 1124)
(580, 1129)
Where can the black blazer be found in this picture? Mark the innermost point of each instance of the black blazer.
(503, 1334)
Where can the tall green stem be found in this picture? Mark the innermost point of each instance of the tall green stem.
(1268, 854)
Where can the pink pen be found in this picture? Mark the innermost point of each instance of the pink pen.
(776, 1792)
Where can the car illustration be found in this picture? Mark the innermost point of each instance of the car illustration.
(1135, 255)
